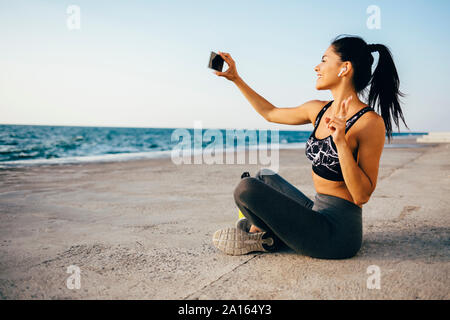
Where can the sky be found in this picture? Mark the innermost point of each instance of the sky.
(144, 63)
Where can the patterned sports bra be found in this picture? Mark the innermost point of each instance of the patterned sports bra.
(323, 152)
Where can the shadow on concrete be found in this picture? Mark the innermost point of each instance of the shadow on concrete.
(425, 243)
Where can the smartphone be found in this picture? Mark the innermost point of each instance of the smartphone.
(215, 62)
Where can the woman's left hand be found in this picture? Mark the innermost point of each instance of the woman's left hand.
(337, 122)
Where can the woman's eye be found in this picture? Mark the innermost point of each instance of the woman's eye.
(322, 60)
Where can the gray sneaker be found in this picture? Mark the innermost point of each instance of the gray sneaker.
(234, 241)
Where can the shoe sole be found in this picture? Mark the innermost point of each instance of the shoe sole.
(236, 242)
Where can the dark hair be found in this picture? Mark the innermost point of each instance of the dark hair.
(384, 82)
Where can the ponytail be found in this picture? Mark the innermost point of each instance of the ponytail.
(384, 88)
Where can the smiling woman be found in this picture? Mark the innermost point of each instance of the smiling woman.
(344, 162)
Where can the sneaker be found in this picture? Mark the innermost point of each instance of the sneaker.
(235, 241)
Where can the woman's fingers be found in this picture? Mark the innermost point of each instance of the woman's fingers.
(221, 73)
(342, 110)
(222, 54)
(330, 124)
(341, 107)
(226, 56)
(346, 102)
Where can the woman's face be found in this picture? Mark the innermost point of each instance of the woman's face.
(328, 70)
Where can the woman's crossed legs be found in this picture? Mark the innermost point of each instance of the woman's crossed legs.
(275, 206)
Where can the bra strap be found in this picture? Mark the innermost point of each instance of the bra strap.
(353, 119)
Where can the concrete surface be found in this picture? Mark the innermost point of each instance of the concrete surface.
(142, 230)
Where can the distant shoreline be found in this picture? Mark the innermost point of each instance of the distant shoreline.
(396, 142)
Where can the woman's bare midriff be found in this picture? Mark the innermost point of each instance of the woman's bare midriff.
(333, 188)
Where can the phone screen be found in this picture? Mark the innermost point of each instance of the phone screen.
(215, 62)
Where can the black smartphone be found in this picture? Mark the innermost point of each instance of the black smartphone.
(215, 61)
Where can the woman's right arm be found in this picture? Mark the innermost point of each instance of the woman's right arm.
(261, 105)
(302, 114)
(293, 116)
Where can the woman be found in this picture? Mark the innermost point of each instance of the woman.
(345, 149)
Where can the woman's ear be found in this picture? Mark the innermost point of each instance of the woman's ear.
(348, 67)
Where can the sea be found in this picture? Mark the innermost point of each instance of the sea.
(38, 145)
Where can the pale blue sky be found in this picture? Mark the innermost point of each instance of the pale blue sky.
(143, 63)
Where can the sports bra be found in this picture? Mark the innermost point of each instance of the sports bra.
(323, 152)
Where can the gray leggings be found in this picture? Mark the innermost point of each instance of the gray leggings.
(328, 228)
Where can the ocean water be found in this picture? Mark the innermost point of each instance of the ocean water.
(24, 145)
